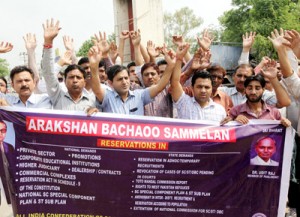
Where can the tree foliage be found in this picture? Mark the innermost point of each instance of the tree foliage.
(84, 49)
(260, 16)
(181, 22)
(4, 70)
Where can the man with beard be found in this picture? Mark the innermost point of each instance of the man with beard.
(255, 107)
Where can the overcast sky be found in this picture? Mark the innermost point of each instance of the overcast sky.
(79, 19)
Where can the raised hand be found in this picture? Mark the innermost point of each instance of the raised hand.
(177, 40)
(206, 40)
(293, 41)
(30, 41)
(182, 50)
(5, 47)
(68, 42)
(124, 35)
(248, 40)
(66, 58)
(101, 42)
(201, 59)
(51, 30)
(95, 55)
(170, 56)
(113, 51)
(269, 70)
(135, 37)
(277, 39)
(152, 50)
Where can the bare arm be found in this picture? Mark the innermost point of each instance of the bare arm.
(136, 41)
(30, 44)
(277, 39)
(175, 80)
(270, 71)
(156, 89)
(123, 36)
(145, 54)
(95, 55)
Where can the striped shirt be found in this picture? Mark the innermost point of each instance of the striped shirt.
(188, 108)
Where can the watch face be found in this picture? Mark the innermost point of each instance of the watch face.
(259, 215)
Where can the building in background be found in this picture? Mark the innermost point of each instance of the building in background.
(146, 15)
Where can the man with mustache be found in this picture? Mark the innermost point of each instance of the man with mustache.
(22, 80)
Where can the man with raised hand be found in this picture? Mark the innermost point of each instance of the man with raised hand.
(76, 98)
(122, 100)
(200, 106)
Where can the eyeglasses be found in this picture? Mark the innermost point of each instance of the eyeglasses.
(4, 130)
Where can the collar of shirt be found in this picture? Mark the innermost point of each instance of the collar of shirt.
(218, 94)
(130, 93)
(262, 162)
(33, 99)
(210, 103)
(85, 94)
(245, 108)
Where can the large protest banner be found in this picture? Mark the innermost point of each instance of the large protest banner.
(67, 164)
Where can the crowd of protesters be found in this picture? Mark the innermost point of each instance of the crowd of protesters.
(182, 85)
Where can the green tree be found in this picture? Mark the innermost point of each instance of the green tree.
(84, 49)
(4, 70)
(182, 22)
(261, 16)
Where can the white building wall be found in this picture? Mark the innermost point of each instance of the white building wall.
(147, 16)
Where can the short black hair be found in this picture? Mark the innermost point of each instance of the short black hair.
(130, 64)
(162, 62)
(114, 70)
(258, 78)
(201, 74)
(73, 67)
(4, 79)
(102, 64)
(83, 60)
(19, 69)
(148, 65)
